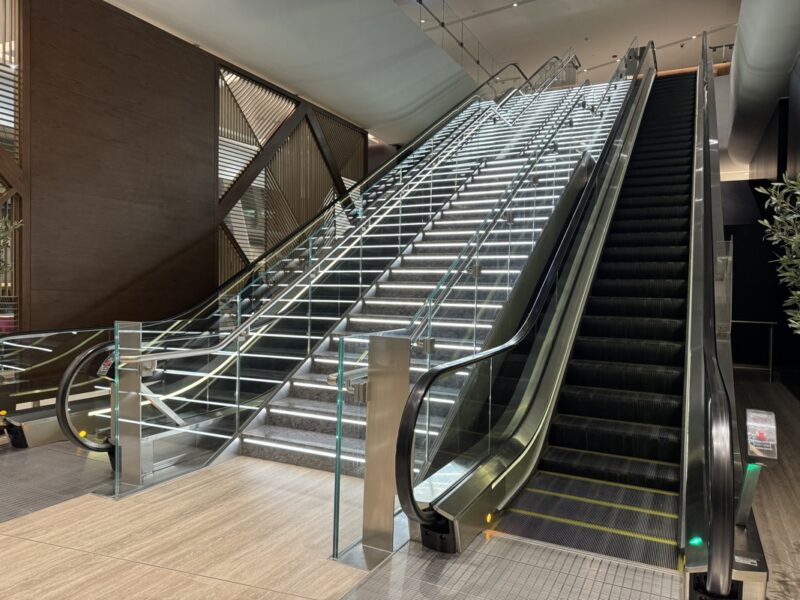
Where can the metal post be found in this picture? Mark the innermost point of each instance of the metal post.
(387, 390)
(129, 405)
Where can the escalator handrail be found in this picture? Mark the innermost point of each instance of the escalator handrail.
(719, 438)
(408, 421)
(62, 400)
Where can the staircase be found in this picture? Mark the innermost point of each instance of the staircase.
(299, 423)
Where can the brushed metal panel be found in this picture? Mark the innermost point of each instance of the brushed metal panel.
(387, 389)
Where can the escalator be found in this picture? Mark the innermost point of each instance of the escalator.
(603, 422)
(609, 480)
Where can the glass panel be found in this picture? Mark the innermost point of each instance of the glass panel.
(350, 377)
(31, 366)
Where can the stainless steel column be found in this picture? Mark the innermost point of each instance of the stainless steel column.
(387, 390)
(129, 405)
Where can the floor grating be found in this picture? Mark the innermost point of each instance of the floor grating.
(511, 569)
(34, 478)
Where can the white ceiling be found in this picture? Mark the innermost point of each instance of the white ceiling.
(596, 29)
(362, 59)
(368, 62)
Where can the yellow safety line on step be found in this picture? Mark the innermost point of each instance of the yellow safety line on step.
(647, 511)
(603, 528)
(629, 486)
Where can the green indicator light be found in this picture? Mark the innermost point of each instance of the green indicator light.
(753, 467)
(696, 541)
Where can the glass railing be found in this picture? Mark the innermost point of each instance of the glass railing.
(32, 363)
(448, 31)
(493, 421)
(198, 385)
(456, 315)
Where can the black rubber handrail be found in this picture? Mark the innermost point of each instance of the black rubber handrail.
(406, 433)
(719, 441)
(62, 400)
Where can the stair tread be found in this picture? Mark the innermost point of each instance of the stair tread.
(303, 438)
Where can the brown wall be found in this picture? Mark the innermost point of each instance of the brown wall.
(122, 168)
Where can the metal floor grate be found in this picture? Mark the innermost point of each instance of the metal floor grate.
(511, 569)
(35, 478)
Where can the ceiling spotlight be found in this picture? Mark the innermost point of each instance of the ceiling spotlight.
(694, 37)
(585, 70)
(617, 60)
(516, 4)
(422, 20)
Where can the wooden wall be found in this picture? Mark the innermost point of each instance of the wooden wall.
(121, 134)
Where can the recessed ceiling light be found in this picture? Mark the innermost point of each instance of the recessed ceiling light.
(617, 60)
(515, 4)
(694, 37)
(585, 70)
(422, 20)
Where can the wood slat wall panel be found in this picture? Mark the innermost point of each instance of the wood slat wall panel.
(300, 171)
(347, 146)
(230, 261)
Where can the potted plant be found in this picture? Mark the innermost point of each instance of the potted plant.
(783, 230)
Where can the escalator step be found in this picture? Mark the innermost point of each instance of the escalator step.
(590, 539)
(616, 469)
(664, 141)
(625, 405)
(642, 270)
(653, 238)
(657, 379)
(645, 253)
(653, 212)
(662, 164)
(655, 501)
(654, 352)
(658, 288)
(634, 201)
(669, 308)
(642, 328)
(567, 508)
(649, 225)
(638, 440)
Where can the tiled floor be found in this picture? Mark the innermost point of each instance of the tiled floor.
(34, 478)
(776, 505)
(510, 569)
(246, 529)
